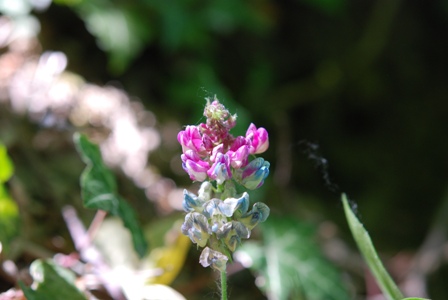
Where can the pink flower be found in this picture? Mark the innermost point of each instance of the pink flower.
(216, 150)
(191, 138)
(208, 143)
(239, 153)
(194, 166)
(220, 170)
(259, 140)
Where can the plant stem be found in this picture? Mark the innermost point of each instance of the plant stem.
(223, 285)
(94, 226)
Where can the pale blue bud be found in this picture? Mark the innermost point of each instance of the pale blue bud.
(191, 202)
(197, 228)
(258, 213)
(214, 259)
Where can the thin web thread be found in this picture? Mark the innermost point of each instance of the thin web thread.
(312, 151)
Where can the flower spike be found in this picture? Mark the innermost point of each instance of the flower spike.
(218, 218)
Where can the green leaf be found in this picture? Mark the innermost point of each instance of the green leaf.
(9, 219)
(414, 298)
(120, 30)
(6, 166)
(9, 211)
(291, 262)
(99, 191)
(53, 282)
(367, 249)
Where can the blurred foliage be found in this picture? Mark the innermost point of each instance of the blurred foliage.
(52, 282)
(99, 191)
(353, 94)
(169, 248)
(9, 212)
(291, 264)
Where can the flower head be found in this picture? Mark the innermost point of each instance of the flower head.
(218, 217)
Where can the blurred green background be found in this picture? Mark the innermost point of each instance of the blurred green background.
(352, 93)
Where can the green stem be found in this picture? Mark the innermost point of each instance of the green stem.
(223, 285)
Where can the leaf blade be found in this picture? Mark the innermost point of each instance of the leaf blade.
(99, 191)
(370, 255)
(53, 282)
(6, 165)
(291, 262)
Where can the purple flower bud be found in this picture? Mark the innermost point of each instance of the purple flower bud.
(197, 228)
(191, 138)
(220, 170)
(214, 259)
(253, 175)
(259, 139)
(194, 166)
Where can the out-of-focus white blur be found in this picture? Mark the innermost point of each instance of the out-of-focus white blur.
(38, 85)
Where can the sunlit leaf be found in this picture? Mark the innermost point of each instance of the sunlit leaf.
(367, 249)
(170, 257)
(53, 282)
(120, 30)
(291, 264)
(99, 191)
(6, 166)
(9, 211)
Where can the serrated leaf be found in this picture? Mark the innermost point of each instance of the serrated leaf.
(365, 245)
(53, 282)
(99, 191)
(6, 166)
(292, 264)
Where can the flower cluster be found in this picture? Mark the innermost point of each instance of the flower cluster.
(210, 151)
(220, 223)
(218, 217)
